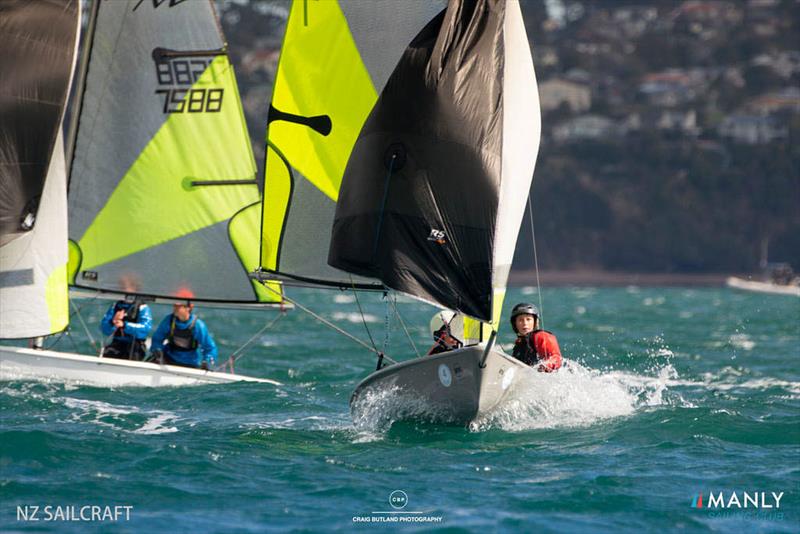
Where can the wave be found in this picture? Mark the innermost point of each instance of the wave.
(119, 417)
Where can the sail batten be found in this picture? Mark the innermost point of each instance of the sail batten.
(163, 184)
(432, 197)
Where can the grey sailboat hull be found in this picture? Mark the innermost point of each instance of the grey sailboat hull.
(451, 387)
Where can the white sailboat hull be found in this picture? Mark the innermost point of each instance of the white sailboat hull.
(762, 287)
(18, 363)
(451, 387)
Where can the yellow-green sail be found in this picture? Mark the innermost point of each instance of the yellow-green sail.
(163, 183)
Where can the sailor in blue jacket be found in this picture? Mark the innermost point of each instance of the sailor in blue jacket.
(183, 339)
(130, 323)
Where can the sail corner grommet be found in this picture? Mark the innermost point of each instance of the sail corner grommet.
(394, 158)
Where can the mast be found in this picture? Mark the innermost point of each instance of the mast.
(77, 92)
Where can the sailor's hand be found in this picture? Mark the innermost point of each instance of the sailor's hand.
(204, 366)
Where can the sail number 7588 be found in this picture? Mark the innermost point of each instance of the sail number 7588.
(189, 98)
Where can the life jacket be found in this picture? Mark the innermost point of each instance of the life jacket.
(131, 309)
(525, 348)
(182, 339)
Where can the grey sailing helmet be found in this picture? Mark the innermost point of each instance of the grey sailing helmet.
(523, 308)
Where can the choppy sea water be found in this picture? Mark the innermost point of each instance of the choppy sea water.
(669, 394)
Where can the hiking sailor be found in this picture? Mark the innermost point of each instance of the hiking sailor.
(130, 324)
(183, 339)
(534, 346)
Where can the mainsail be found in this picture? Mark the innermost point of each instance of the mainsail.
(39, 42)
(163, 197)
(335, 60)
(436, 184)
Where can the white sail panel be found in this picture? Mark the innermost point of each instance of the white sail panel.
(522, 128)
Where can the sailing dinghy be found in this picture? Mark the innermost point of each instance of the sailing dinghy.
(419, 157)
(435, 190)
(163, 200)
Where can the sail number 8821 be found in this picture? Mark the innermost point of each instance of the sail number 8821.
(192, 100)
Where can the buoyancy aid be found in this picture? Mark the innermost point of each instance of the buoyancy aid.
(131, 310)
(539, 346)
(182, 339)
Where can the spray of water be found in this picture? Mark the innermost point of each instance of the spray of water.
(574, 396)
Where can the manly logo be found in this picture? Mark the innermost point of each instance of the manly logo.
(437, 236)
(756, 499)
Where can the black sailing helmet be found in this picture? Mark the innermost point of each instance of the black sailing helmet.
(523, 308)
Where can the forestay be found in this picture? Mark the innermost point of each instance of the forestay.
(336, 58)
(39, 43)
(163, 196)
(435, 188)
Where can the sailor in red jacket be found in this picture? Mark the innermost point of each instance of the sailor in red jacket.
(534, 346)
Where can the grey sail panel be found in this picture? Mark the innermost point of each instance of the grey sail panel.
(418, 205)
(125, 273)
(37, 40)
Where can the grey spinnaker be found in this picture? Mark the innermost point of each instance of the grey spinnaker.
(38, 41)
(435, 187)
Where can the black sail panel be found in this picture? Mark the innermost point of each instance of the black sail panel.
(37, 40)
(418, 203)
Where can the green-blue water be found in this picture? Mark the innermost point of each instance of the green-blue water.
(671, 393)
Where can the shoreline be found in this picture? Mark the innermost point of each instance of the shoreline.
(618, 279)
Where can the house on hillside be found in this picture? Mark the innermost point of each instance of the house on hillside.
(587, 127)
(752, 129)
(557, 91)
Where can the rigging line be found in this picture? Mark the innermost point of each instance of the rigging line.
(85, 327)
(536, 263)
(363, 320)
(74, 344)
(386, 322)
(383, 207)
(249, 342)
(328, 323)
(403, 324)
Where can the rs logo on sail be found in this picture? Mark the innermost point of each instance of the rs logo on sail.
(756, 499)
(437, 236)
